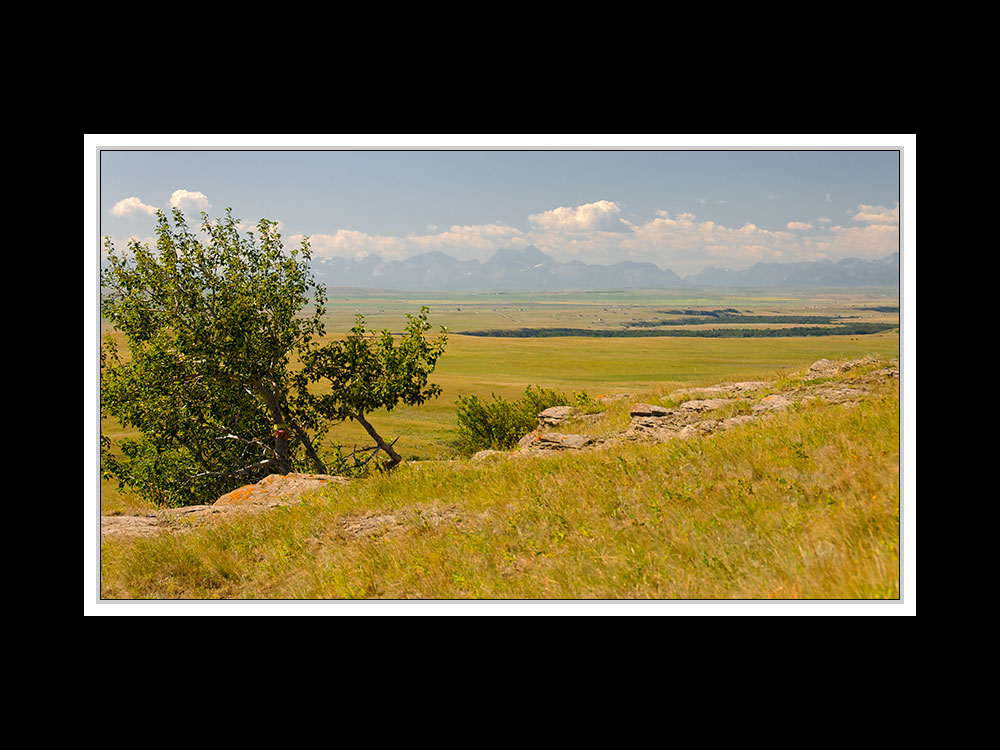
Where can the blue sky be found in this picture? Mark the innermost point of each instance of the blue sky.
(680, 209)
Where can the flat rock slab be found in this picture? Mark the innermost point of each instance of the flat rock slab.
(555, 415)
(725, 389)
(700, 405)
(774, 402)
(271, 491)
(130, 525)
(549, 441)
(648, 410)
(828, 368)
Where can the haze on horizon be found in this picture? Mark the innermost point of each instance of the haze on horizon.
(681, 210)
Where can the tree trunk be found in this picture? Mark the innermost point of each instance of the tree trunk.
(310, 451)
(394, 458)
(281, 448)
(280, 432)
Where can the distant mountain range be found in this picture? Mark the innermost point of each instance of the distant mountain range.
(532, 270)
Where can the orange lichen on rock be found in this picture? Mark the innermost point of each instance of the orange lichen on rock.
(277, 488)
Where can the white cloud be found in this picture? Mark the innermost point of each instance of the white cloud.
(465, 242)
(682, 244)
(877, 214)
(595, 233)
(602, 215)
(187, 200)
(474, 237)
(873, 241)
(132, 205)
(352, 243)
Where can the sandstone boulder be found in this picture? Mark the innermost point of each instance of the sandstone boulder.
(724, 389)
(700, 405)
(825, 368)
(648, 410)
(555, 415)
(553, 441)
(774, 402)
(484, 454)
(276, 489)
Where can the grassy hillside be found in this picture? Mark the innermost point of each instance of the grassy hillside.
(802, 504)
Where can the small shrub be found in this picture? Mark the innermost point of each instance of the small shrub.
(500, 424)
(586, 404)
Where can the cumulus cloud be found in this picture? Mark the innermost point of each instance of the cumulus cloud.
(187, 200)
(873, 241)
(877, 214)
(465, 242)
(601, 215)
(470, 236)
(352, 243)
(683, 243)
(133, 205)
(596, 233)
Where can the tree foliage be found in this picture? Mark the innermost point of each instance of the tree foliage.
(369, 371)
(205, 389)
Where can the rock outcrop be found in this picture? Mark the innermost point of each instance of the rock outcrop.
(555, 416)
(553, 441)
(717, 407)
(271, 491)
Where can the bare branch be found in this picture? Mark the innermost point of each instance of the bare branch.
(244, 470)
(247, 441)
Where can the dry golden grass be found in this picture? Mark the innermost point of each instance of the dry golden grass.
(802, 505)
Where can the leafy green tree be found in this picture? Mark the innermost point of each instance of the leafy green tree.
(369, 371)
(211, 323)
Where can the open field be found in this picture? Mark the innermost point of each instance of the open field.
(594, 310)
(800, 503)
(483, 366)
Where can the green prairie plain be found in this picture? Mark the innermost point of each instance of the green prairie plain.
(487, 366)
(483, 366)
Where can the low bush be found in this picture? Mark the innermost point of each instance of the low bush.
(499, 424)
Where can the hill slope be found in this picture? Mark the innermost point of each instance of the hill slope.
(784, 489)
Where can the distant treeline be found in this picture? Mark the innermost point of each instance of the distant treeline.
(709, 313)
(847, 329)
(882, 308)
(725, 317)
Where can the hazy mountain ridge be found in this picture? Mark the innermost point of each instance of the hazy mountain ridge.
(532, 270)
